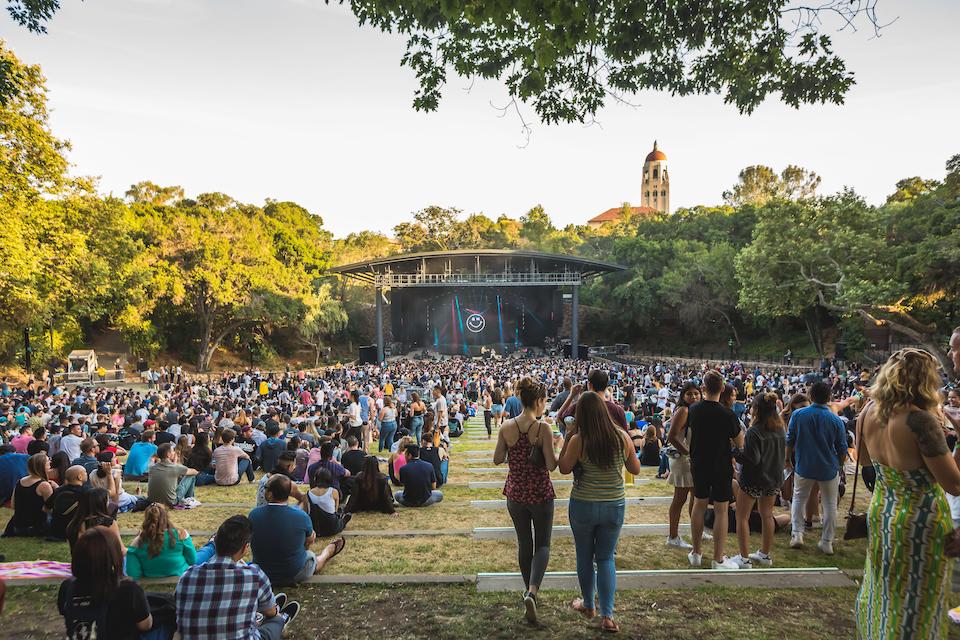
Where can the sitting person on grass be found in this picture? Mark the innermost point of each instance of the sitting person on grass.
(170, 483)
(230, 462)
(29, 497)
(419, 481)
(221, 599)
(62, 503)
(160, 549)
(108, 477)
(324, 506)
(372, 490)
(140, 456)
(284, 466)
(98, 601)
(337, 470)
(282, 536)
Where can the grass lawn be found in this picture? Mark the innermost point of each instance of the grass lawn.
(438, 612)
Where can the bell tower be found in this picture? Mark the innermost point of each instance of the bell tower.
(656, 181)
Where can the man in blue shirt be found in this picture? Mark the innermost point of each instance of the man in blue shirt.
(282, 536)
(419, 480)
(138, 460)
(513, 407)
(816, 436)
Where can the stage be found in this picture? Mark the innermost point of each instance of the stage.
(471, 303)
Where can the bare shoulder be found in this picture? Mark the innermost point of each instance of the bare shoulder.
(928, 431)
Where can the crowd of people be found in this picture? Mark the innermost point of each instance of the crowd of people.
(734, 442)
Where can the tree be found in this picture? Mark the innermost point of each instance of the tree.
(566, 57)
(759, 184)
(536, 227)
(324, 317)
(701, 281)
(910, 188)
(147, 192)
(222, 275)
(433, 228)
(843, 256)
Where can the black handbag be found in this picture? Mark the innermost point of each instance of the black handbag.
(856, 522)
(535, 457)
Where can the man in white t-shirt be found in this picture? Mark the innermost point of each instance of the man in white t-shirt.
(441, 417)
(663, 394)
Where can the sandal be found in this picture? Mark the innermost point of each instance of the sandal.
(338, 546)
(607, 625)
(578, 606)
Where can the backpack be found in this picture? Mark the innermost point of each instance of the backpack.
(83, 616)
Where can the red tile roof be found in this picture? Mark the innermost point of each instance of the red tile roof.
(613, 214)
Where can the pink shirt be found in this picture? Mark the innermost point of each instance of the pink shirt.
(397, 463)
(314, 456)
(21, 442)
(226, 458)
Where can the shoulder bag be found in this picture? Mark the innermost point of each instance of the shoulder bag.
(856, 522)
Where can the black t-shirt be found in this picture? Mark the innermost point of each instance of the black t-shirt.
(432, 455)
(163, 437)
(417, 478)
(711, 426)
(353, 461)
(115, 619)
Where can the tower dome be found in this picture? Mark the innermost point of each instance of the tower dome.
(656, 154)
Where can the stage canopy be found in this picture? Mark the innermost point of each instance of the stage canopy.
(456, 301)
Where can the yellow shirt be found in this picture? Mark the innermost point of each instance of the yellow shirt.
(264, 389)
(388, 389)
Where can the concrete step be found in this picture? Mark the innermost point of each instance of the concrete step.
(564, 531)
(563, 502)
(801, 578)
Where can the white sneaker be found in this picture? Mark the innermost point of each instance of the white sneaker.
(695, 559)
(796, 541)
(726, 565)
(826, 546)
(679, 543)
(762, 559)
(741, 562)
(707, 535)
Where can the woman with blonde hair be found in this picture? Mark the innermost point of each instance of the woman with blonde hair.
(905, 577)
(160, 549)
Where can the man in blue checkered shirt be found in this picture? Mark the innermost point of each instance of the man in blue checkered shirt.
(226, 597)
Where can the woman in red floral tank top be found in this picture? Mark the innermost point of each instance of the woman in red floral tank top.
(528, 489)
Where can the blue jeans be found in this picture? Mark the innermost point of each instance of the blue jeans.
(387, 429)
(416, 428)
(185, 488)
(596, 529)
(664, 462)
(435, 497)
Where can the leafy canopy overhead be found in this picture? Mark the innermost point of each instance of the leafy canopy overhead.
(565, 57)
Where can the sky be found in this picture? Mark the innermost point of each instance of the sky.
(291, 100)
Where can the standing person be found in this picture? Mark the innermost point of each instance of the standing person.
(712, 429)
(680, 478)
(906, 573)
(354, 422)
(496, 408)
(388, 424)
(487, 413)
(441, 418)
(763, 458)
(818, 438)
(417, 411)
(528, 488)
(596, 510)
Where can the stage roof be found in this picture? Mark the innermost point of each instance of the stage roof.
(460, 263)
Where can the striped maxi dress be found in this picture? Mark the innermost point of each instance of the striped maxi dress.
(906, 575)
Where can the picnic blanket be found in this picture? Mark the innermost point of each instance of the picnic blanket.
(34, 569)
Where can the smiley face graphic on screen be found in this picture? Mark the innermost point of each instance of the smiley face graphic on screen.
(475, 323)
